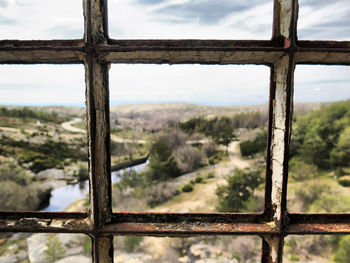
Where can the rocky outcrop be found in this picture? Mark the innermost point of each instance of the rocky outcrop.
(71, 245)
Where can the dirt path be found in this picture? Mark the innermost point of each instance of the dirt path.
(68, 126)
(203, 197)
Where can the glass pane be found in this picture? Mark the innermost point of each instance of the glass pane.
(194, 249)
(194, 123)
(321, 20)
(43, 149)
(165, 19)
(41, 19)
(44, 247)
(317, 248)
(319, 165)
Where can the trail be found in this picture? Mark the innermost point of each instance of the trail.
(203, 197)
(68, 126)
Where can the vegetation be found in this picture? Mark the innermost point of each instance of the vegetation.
(257, 145)
(322, 137)
(54, 249)
(19, 191)
(342, 255)
(42, 156)
(187, 188)
(162, 163)
(27, 113)
(240, 187)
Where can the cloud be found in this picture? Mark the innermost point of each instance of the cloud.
(33, 19)
(42, 84)
(321, 20)
(184, 19)
(219, 85)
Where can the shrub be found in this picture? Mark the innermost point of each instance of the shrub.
(342, 255)
(239, 189)
(131, 242)
(293, 257)
(83, 173)
(198, 179)
(300, 171)
(162, 164)
(310, 192)
(187, 188)
(252, 147)
(189, 158)
(10, 171)
(344, 181)
(160, 193)
(210, 149)
(54, 249)
(210, 175)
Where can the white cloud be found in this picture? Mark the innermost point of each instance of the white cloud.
(50, 19)
(129, 20)
(42, 19)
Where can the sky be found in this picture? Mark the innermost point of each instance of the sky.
(170, 19)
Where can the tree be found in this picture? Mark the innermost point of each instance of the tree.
(54, 248)
(162, 164)
(340, 155)
(234, 196)
(224, 136)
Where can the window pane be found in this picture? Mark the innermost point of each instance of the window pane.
(191, 120)
(194, 249)
(43, 149)
(41, 19)
(321, 20)
(44, 247)
(317, 248)
(319, 165)
(165, 19)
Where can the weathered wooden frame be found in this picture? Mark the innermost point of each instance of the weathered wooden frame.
(96, 51)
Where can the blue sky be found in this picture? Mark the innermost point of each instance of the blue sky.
(163, 19)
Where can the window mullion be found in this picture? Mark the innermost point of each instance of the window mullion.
(97, 100)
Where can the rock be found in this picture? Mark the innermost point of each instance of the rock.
(14, 258)
(72, 244)
(36, 246)
(74, 259)
(53, 173)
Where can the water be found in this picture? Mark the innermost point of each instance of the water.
(62, 197)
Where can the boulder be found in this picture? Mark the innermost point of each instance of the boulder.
(57, 174)
(74, 259)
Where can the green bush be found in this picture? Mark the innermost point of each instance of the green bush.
(131, 242)
(10, 171)
(344, 181)
(293, 257)
(210, 175)
(342, 255)
(198, 179)
(187, 188)
(300, 171)
(83, 173)
(54, 249)
(240, 187)
(162, 164)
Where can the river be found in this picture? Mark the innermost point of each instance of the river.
(63, 196)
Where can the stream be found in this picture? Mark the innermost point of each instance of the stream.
(63, 196)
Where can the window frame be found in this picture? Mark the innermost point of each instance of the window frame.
(96, 51)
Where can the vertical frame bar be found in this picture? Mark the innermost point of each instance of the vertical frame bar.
(284, 29)
(97, 100)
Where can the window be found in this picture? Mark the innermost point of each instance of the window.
(96, 51)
